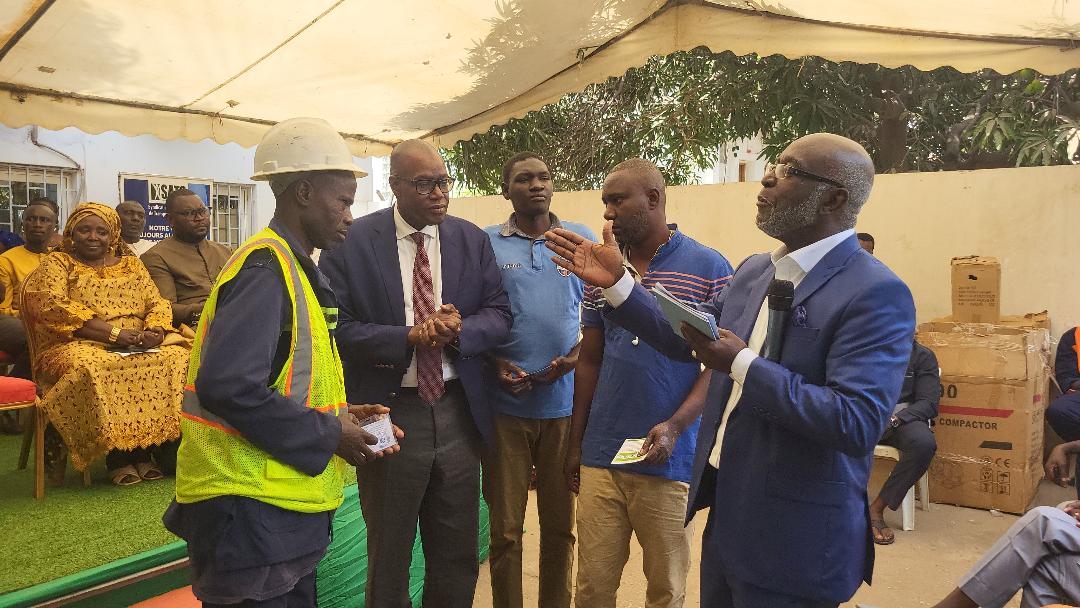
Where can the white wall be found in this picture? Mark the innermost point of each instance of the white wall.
(104, 156)
(1027, 218)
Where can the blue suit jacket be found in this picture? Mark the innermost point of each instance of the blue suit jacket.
(789, 499)
(371, 333)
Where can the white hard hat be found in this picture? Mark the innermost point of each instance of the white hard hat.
(302, 144)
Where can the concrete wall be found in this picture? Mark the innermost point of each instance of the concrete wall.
(1028, 218)
(104, 156)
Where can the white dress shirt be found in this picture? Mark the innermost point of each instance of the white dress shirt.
(790, 266)
(141, 246)
(406, 248)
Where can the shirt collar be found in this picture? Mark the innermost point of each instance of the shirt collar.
(510, 227)
(670, 245)
(284, 233)
(405, 230)
(803, 260)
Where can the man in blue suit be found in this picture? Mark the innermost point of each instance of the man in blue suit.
(784, 451)
(421, 300)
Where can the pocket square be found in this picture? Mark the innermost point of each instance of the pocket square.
(799, 319)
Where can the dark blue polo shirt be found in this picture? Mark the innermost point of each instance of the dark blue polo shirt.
(639, 387)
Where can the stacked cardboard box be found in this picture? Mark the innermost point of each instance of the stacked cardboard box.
(990, 424)
(1032, 320)
(976, 289)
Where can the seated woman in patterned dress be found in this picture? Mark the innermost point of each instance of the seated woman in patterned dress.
(90, 298)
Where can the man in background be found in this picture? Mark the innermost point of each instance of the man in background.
(1063, 414)
(185, 265)
(909, 432)
(533, 391)
(866, 241)
(39, 221)
(132, 224)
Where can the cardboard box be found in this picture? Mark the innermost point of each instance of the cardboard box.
(984, 350)
(989, 428)
(1032, 320)
(976, 289)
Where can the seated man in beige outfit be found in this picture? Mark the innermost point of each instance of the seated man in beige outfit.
(185, 265)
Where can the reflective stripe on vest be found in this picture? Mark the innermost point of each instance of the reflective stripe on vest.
(298, 376)
(1076, 347)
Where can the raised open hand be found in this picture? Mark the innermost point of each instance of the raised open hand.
(595, 263)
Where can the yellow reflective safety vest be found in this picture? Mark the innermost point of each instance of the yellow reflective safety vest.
(214, 459)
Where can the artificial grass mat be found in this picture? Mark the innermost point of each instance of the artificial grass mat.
(75, 528)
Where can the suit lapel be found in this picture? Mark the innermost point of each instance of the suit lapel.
(385, 248)
(832, 263)
(744, 325)
(450, 248)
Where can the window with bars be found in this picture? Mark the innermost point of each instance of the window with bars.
(232, 213)
(20, 184)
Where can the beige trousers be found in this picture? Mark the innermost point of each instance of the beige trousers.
(612, 505)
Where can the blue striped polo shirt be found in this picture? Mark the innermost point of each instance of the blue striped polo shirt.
(639, 387)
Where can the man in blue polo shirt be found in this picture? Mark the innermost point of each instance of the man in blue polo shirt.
(626, 390)
(533, 391)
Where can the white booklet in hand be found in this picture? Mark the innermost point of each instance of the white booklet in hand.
(379, 426)
(678, 312)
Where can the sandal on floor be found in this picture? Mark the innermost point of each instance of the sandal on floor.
(125, 476)
(148, 471)
(880, 526)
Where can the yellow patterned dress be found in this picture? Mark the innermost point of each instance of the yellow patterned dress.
(99, 400)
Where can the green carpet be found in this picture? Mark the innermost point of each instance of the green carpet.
(74, 528)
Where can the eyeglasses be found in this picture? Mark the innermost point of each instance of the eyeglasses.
(195, 214)
(424, 187)
(784, 170)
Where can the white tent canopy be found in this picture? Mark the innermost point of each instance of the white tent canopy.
(447, 69)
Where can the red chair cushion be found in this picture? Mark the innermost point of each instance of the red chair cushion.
(16, 390)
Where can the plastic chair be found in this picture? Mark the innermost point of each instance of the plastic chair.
(907, 506)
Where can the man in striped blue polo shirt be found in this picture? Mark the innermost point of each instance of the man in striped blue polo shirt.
(533, 391)
(626, 390)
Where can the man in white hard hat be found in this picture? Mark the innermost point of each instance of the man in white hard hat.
(266, 432)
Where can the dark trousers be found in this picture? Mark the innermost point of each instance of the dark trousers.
(301, 596)
(719, 590)
(916, 444)
(1064, 417)
(434, 479)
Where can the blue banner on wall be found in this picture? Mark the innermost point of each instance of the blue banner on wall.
(150, 191)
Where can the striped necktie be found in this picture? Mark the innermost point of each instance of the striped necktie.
(429, 375)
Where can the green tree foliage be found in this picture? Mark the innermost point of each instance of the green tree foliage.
(680, 109)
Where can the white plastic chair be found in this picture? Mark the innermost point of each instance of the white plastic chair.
(907, 506)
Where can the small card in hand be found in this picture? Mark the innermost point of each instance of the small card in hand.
(379, 426)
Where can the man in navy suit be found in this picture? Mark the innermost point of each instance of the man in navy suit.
(784, 451)
(421, 300)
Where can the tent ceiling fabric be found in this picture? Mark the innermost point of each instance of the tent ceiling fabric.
(447, 69)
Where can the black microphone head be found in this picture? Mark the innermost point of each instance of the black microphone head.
(781, 294)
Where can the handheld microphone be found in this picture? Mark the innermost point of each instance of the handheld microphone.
(781, 296)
